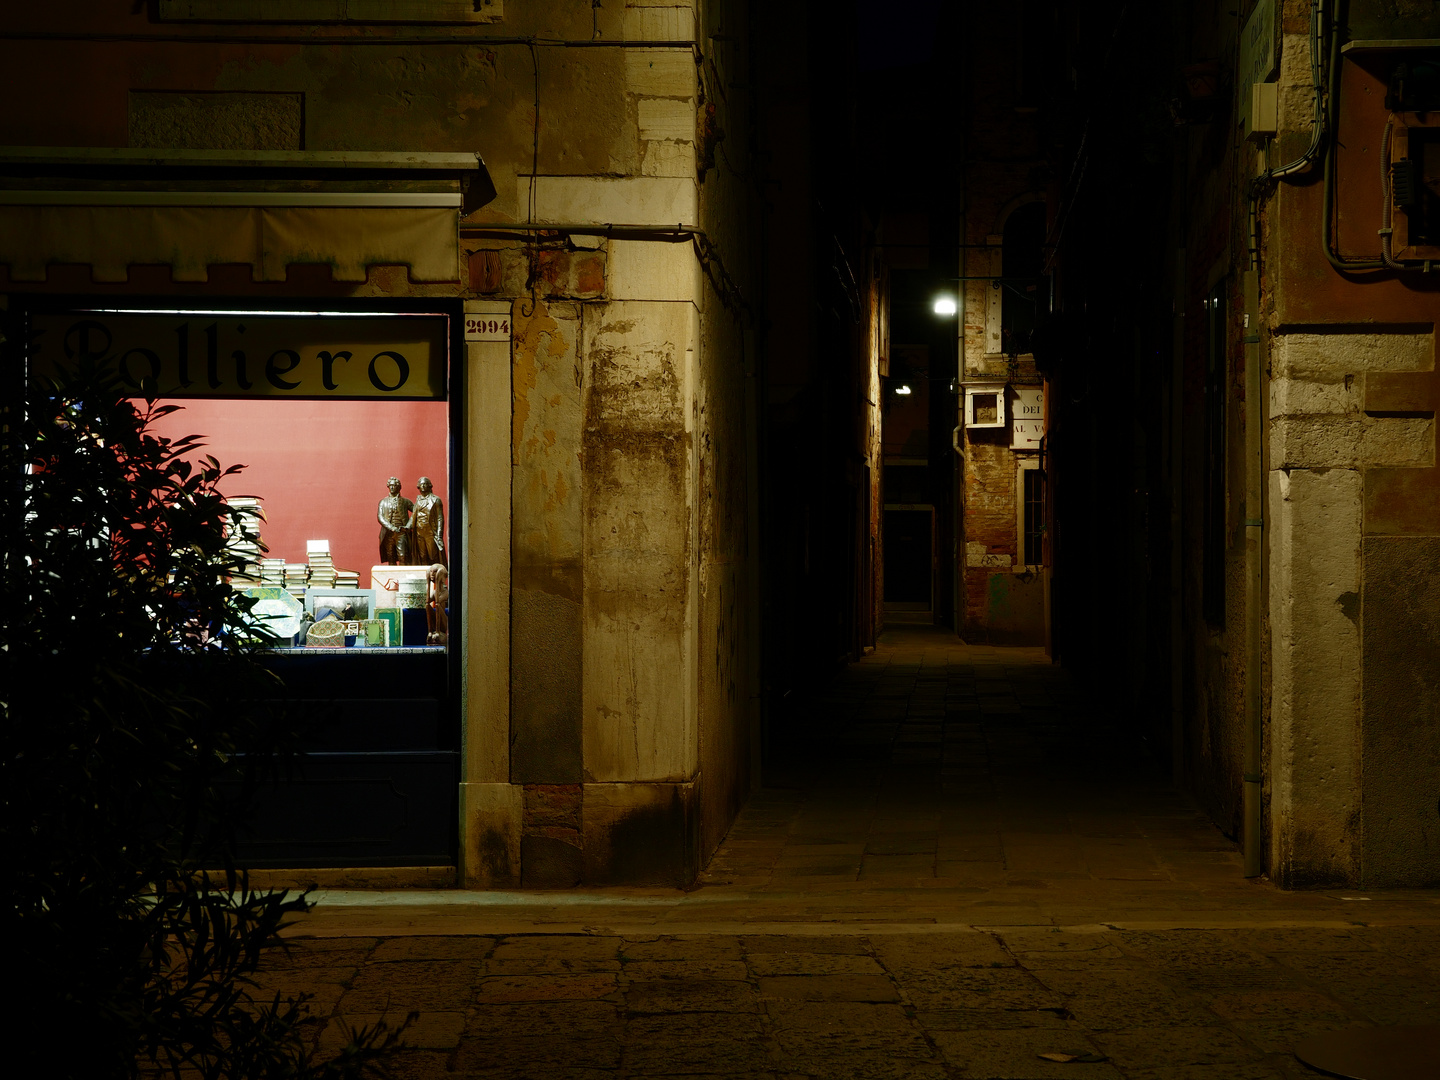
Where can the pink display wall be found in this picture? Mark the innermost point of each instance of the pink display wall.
(321, 466)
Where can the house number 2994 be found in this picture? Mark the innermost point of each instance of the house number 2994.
(487, 328)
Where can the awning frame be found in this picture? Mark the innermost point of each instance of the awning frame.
(75, 170)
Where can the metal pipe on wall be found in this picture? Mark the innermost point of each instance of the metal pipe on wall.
(1177, 523)
(957, 435)
(1251, 789)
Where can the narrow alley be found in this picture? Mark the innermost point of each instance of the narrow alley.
(957, 867)
(936, 763)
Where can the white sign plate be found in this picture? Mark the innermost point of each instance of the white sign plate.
(1257, 48)
(487, 320)
(1029, 403)
(1026, 434)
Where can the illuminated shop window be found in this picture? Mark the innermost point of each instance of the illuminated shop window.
(342, 422)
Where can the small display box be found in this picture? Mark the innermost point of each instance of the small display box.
(985, 406)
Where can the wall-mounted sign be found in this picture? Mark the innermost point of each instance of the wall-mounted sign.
(1257, 61)
(187, 354)
(1029, 403)
(1026, 434)
(487, 320)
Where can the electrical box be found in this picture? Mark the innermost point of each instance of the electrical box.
(1256, 65)
(1386, 20)
(1414, 187)
(1385, 154)
(985, 406)
(1264, 119)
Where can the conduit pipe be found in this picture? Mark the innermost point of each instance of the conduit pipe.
(1252, 792)
(1327, 211)
(1387, 210)
(1317, 127)
(706, 252)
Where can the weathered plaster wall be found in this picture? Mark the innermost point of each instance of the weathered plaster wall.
(432, 97)
(725, 419)
(1354, 729)
(1315, 737)
(639, 722)
(545, 604)
(1401, 712)
(1361, 399)
(728, 636)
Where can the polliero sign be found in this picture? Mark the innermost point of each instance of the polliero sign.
(183, 354)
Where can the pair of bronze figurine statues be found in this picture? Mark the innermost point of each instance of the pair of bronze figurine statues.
(412, 533)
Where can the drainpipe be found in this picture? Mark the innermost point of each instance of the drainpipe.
(1254, 575)
(1177, 522)
(957, 435)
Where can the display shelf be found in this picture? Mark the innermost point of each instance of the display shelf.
(369, 650)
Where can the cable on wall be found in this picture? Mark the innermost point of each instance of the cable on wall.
(706, 253)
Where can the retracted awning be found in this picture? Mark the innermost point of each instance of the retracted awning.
(112, 208)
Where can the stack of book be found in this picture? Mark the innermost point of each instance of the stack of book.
(246, 549)
(347, 579)
(322, 567)
(272, 572)
(296, 574)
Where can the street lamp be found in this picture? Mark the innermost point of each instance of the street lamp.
(946, 305)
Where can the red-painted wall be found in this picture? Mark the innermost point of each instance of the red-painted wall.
(321, 466)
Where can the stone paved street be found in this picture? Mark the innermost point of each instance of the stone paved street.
(955, 867)
(944, 1003)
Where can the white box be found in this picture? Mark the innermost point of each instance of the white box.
(1262, 119)
(985, 406)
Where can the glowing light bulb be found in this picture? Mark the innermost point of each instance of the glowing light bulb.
(945, 305)
(902, 389)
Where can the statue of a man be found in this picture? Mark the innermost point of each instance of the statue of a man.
(437, 605)
(394, 513)
(429, 547)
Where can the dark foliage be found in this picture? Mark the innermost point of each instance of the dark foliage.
(132, 713)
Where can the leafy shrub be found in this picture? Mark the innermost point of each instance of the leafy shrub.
(132, 703)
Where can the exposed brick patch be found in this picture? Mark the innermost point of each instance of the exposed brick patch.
(486, 272)
(563, 273)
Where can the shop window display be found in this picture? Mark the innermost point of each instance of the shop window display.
(342, 425)
(328, 578)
